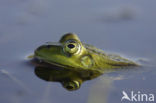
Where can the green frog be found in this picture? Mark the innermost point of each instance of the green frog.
(71, 53)
(79, 58)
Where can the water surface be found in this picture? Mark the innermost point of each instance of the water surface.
(123, 26)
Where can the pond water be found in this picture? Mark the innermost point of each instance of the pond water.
(123, 26)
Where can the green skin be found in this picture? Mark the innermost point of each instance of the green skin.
(71, 53)
(79, 62)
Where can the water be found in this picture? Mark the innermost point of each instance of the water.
(123, 26)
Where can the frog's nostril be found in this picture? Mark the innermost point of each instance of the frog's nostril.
(71, 46)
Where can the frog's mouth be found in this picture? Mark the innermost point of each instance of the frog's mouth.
(52, 63)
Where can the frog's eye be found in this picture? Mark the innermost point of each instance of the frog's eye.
(71, 85)
(71, 47)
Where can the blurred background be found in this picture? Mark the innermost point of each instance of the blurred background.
(127, 27)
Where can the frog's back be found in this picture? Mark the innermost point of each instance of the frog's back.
(107, 60)
(93, 49)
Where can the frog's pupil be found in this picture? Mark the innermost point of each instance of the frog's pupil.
(71, 46)
(69, 87)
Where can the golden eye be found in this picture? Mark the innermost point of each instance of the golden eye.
(71, 85)
(71, 47)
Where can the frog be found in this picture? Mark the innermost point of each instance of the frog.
(71, 53)
(72, 56)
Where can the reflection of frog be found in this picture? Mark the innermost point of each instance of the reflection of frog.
(70, 79)
(74, 56)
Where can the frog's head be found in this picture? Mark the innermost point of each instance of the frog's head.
(69, 52)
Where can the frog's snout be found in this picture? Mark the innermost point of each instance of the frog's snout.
(42, 47)
(38, 48)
